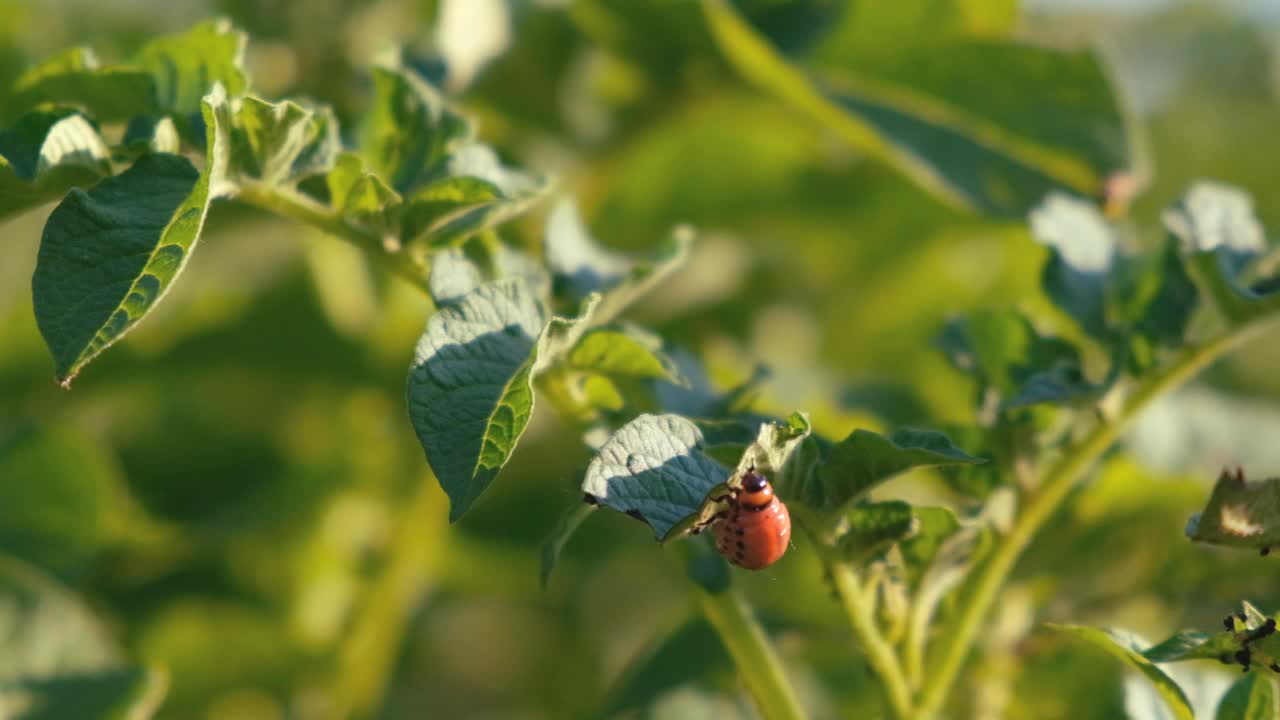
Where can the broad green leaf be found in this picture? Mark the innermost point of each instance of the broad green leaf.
(1252, 697)
(471, 385)
(169, 75)
(566, 526)
(654, 468)
(986, 146)
(865, 459)
(1153, 298)
(1222, 238)
(281, 143)
(1239, 513)
(433, 205)
(128, 693)
(874, 527)
(1126, 649)
(619, 352)
(44, 155)
(109, 254)
(57, 500)
(1082, 246)
(57, 662)
(186, 66)
(409, 131)
(75, 77)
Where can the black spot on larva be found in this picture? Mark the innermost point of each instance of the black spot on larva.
(742, 545)
(740, 531)
(1264, 551)
(1227, 622)
(740, 555)
(1244, 657)
(1275, 668)
(1225, 659)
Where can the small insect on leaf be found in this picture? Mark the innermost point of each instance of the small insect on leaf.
(755, 530)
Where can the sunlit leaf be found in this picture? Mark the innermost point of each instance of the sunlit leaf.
(109, 254)
(44, 155)
(973, 144)
(470, 385)
(654, 467)
(1126, 649)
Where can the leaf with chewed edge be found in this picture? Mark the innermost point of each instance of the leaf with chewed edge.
(654, 467)
(108, 255)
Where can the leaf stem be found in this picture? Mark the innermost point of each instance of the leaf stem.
(759, 667)
(1056, 484)
(294, 205)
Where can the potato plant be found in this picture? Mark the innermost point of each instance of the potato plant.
(909, 532)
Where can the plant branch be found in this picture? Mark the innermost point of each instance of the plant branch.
(1056, 484)
(880, 655)
(294, 205)
(758, 665)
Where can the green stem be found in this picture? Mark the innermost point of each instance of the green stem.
(880, 655)
(296, 206)
(1056, 484)
(758, 665)
(369, 649)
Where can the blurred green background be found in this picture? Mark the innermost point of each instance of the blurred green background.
(235, 494)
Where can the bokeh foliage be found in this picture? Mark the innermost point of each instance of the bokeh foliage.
(232, 494)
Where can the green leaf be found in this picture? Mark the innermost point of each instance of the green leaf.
(186, 66)
(1239, 513)
(566, 526)
(865, 459)
(1252, 697)
(934, 526)
(470, 387)
(409, 131)
(282, 143)
(109, 254)
(1125, 648)
(517, 192)
(44, 155)
(131, 693)
(57, 500)
(1011, 359)
(1221, 239)
(75, 77)
(1052, 123)
(1193, 645)
(362, 195)
(453, 275)
(654, 468)
(57, 662)
(429, 209)
(874, 527)
(580, 266)
(620, 352)
(169, 75)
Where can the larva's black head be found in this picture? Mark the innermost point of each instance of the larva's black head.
(754, 482)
